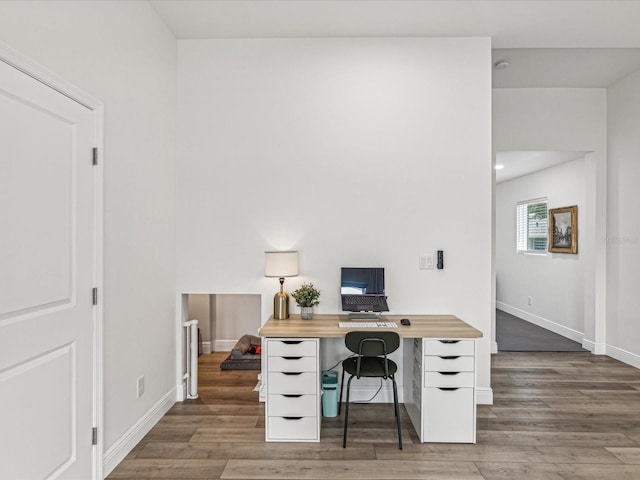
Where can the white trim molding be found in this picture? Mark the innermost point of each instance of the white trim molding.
(206, 348)
(484, 396)
(542, 322)
(121, 447)
(593, 347)
(224, 345)
(624, 356)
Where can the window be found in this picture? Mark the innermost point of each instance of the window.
(532, 226)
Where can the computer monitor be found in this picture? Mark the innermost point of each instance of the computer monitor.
(366, 283)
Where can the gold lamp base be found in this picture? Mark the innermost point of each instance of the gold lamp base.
(281, 306)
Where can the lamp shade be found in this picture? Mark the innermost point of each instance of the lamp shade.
(281, 264)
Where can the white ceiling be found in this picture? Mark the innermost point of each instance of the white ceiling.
(519, 163)
(549, 43)
(539, 38)
(510, 23)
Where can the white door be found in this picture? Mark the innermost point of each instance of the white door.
(47, 265)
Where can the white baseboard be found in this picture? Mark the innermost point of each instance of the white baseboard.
(121, 448)
(624, 356)
(206, 348)
(224, 345)
(542, 322)
(494, 347)
(181, 392)
(484, 396)
(595, 348)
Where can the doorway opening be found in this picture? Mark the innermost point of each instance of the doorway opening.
(225, 322)
(544, 300)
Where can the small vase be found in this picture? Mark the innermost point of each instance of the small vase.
(306, 313)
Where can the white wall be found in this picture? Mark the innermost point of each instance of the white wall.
(122, 54)
(561, 119)
(554, 281)
(623, 301)
(281, 141)
(199, 310)
(235, 316)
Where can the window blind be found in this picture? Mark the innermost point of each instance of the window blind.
(532, 225)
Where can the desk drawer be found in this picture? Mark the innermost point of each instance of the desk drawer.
(448, 364)
(449, 347)
(448, 379)
(449, 415)
(303, 382)
(293, 405)
(292, 348)
(292, 364)
(292, 428)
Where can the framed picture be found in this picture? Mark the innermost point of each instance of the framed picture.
(563, 229)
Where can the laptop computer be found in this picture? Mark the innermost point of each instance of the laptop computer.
(362, 292)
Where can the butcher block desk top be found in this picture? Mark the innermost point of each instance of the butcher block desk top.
(326, 326)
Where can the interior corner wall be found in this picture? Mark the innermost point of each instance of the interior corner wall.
(122, 54)
(554, 281)
(199, 310)
(623, 239)
(567, 119)
(352, 151)
(236, 315)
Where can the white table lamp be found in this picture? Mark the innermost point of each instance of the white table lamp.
(281, 265)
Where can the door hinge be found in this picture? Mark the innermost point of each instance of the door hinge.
(95, 155)
(94, 436)
(95, 296)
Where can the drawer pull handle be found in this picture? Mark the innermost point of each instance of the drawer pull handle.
(449, 341)
(292, 358)
(447, 389)
(448, 373)
(290, 395)
(291, 342)
(450, 357)
(292, 418)
(291, 373)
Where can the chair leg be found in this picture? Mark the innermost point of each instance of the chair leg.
(346, 414)
(395, 401)
(341, 395)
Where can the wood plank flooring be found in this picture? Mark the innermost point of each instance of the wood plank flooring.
(564, 416)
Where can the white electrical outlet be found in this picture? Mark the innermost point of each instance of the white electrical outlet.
(140, 386)
(529, 301)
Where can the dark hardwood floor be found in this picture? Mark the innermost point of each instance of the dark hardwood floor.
(558, 416)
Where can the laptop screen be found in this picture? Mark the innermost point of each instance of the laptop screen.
(362, 281)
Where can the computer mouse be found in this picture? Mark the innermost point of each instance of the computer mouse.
(405, 321)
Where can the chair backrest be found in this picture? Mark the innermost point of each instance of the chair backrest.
(372, 344)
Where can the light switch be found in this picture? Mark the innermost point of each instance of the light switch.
(425, 262)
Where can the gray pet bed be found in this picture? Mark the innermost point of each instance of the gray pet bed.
(241, 357)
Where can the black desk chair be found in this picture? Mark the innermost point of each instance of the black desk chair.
(371, 360)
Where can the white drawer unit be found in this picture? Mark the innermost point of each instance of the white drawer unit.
(296, 405)
(293, 382)
(449, 415)
(449, 364)
(291, 347)
(444, 348)
(292, 364)
(293, 429)
(293, 390)
(448, 392)
(448, 379)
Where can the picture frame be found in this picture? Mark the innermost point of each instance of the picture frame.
(563, 229)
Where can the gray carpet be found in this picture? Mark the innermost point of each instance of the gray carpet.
(516, 335)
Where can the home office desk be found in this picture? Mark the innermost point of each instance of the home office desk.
(439, 375)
